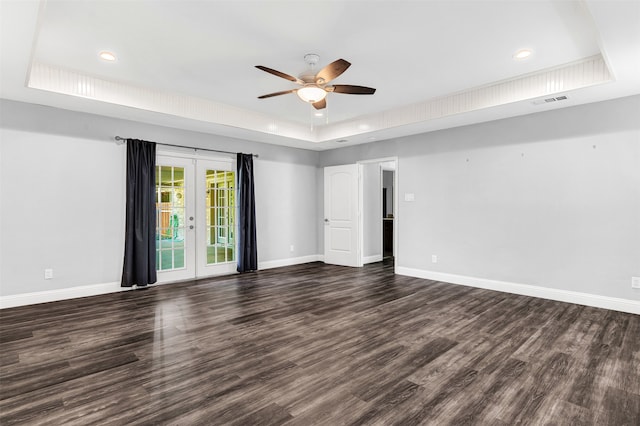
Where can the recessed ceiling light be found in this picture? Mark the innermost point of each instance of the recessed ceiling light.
(107, 56)
(522, 54)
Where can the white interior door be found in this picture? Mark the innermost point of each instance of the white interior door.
(175, 219)
(341, 216)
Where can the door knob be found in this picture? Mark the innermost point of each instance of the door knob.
(191, 227)
(326, 220)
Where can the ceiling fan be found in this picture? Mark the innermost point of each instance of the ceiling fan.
(314, 86)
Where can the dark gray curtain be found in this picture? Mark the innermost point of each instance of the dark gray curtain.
(140, 228)
(247, 249)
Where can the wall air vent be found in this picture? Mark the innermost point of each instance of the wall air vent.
(549, 100)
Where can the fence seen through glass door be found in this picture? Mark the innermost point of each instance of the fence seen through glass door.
(170, 218)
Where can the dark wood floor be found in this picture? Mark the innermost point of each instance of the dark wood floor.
(318, 344)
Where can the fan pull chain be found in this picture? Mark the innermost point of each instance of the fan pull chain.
(311, 117)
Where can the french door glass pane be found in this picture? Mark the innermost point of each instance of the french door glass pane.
(170, 218)
(220, 216)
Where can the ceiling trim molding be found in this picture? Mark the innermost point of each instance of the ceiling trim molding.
(576, 75)
(73, 83)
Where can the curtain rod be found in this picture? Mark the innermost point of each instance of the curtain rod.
(123, 140)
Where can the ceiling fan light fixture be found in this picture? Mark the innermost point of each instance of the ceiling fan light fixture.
(313, 88)
(311, 93)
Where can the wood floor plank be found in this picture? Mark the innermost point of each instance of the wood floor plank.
(562, 413)
(13, 335)
(544, 383)
(335, 409)
(400, 393)
(620, 408)
(441, 397)
(490, 394)
(271, 414)
(318, 344)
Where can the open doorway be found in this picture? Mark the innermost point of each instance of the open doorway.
(361, 212)
(388, 213)
(379, 209)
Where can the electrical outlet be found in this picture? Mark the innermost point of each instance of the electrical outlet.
(635, 282)
(434, 258)
(48, 274)
(291, 248)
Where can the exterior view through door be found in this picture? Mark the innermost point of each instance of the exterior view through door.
(195, 218)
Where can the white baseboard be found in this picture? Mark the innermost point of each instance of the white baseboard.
(290, 261)
(616, 304)
(613, 303)
(24, 299)
(59, 294)
(372, 259)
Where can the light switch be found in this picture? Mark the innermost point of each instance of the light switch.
(409, 197)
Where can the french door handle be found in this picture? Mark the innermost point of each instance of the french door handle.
(190, 226)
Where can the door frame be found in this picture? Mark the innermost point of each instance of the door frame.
(198, 270)
(396, 212)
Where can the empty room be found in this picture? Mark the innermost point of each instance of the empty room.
(319, 212)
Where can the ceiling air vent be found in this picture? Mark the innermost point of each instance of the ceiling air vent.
(549, 100)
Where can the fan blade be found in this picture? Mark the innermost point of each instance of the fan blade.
(280, 74)
(351, 90)
(270, 95)
(320, 104)
(331, 71)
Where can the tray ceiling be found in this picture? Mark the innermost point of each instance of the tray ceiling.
(190, 64)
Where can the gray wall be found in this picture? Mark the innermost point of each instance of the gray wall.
(62, 190)
(286, 209)
(549, 199)
(59, 212)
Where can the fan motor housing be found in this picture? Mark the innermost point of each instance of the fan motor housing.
(308, 78)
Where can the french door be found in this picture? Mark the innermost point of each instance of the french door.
(215, 217)
(195, 218)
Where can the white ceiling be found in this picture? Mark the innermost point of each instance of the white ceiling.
(201, 56)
